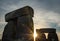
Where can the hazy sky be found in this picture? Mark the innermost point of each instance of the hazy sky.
(46, 12)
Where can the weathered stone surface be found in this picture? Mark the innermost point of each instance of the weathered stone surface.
(27, 10)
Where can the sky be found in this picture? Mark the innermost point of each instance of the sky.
(46, 12)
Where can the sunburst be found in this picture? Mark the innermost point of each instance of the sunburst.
(35, 34)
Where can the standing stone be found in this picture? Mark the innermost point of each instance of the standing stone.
(41, 36)
(9, 31)
(52, 37)
(24, 26)
(20, 25)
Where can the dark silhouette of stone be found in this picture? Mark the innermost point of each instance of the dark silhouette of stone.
(20, 25)
(9, 31)
(46, 30)
(27, 10)
(41, 37)
(24, 25)
(52, 37)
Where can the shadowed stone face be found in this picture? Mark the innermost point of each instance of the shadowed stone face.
(46, 30)
(41, 37)
(25, 23)
(24, 26)
(52, 36)
(19, 12)
(9, 31)
(20, 25)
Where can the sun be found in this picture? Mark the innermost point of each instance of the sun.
(35, 34)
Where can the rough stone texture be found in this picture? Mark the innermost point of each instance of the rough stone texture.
(27, 10)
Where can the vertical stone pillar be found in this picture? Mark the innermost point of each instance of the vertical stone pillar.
(24, 26)
(9, 31)
(20, 25)
(52, 37)
(41, 36)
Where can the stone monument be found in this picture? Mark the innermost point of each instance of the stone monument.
(20, 26)
(52, 35)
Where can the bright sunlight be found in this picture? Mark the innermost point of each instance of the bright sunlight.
(35, 34)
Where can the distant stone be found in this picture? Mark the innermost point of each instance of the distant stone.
(46, 30)
(52, 35)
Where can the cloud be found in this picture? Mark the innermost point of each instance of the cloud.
(46, 12)
(10, 5)
(52, 5)
(2, 25)
(44, 9)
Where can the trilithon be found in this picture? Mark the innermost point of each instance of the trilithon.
(52, 35)
(20, 25)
